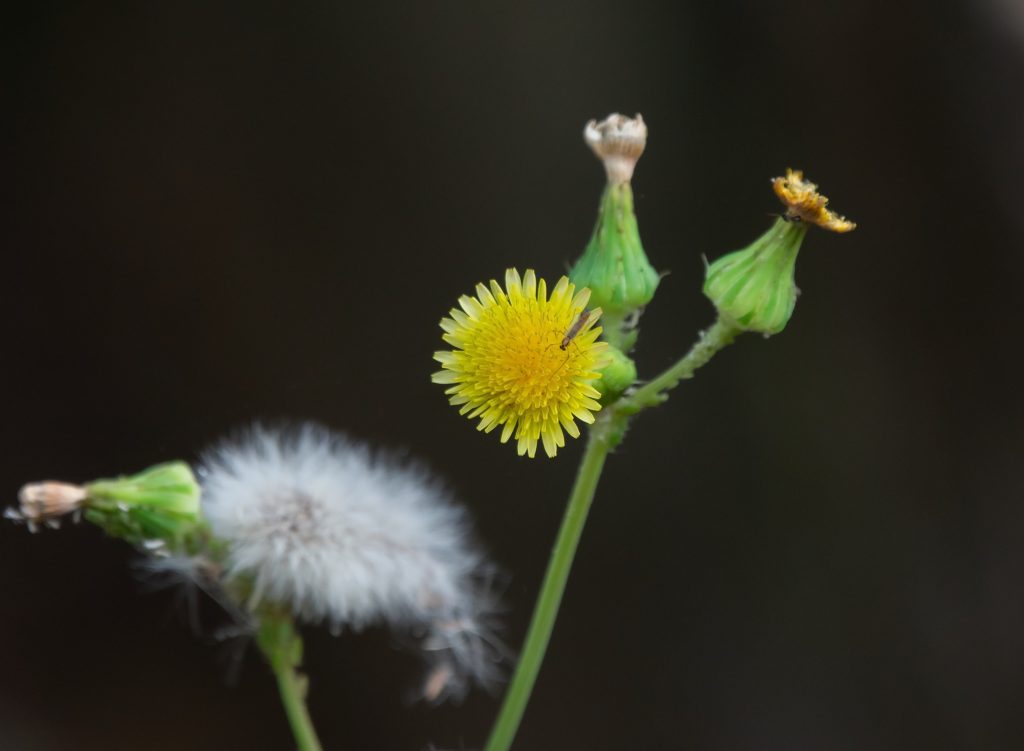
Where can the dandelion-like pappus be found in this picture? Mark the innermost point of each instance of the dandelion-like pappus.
(318, 524)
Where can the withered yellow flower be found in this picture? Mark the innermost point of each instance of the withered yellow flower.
(805, 203)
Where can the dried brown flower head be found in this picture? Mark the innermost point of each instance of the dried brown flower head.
(804, 203)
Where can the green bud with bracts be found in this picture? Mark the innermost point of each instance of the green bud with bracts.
(157, 504)
(158, 507)
(614, 265)
(754, 289)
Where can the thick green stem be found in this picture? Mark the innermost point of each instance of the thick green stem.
(550, 597)
(652, 393)
(282, 647)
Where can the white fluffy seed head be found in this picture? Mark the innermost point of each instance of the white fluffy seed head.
(335, 533)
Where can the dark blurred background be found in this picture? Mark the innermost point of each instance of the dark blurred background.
(218, 215)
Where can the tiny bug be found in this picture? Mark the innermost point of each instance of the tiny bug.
(578, 324)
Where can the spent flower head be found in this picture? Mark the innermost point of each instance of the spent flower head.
(803, 202)
(317, 524)
(523, 360)
(754, 289)
(46, 503)
(618, 141)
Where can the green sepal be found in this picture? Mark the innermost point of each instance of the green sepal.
(754, 289)
(614, 265)
(159, 503)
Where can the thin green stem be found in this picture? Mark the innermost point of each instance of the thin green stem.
(282, 646)
(546, 610)
(605, 435)
(720, 335)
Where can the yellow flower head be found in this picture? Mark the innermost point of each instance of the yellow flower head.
(804, 202)
(523, 360)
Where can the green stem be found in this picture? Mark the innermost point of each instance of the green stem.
(282, 646)
(612, 324)
(605, 435)
(539, 633)
(719, 336)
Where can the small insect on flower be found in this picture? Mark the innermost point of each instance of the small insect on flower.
(575, 329)
(506, 367)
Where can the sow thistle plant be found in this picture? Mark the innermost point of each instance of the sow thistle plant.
(506, 369)
(309, 525)
(306, 525)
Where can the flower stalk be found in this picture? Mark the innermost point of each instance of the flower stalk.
(543, 621)
(708, 344)
(282, 646)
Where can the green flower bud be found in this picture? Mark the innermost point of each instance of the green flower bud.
(754, 288)
(160, 503)
(614, 265)
(617, 375)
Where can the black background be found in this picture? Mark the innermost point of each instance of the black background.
(216, 215)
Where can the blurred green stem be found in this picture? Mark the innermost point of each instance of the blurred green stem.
(539, 633)
(282, 646)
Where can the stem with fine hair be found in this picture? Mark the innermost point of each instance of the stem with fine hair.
(546, 610)
(719, 336)
(282, 646)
